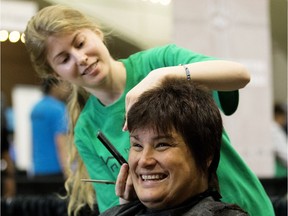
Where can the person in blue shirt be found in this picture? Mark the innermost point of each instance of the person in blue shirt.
(49, 130)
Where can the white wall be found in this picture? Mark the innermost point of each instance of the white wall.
(23, 99)
(15, 14)
(236, 30)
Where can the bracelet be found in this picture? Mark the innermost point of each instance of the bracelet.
(187, 72)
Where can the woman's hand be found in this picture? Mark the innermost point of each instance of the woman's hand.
(150, 81)
(124, 187)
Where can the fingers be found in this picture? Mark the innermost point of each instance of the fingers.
(121, 180)
(125, 127)
(128, 105)
(129, 193)
(131, 98)
(124, 186)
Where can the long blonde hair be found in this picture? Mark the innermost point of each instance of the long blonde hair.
(79, 194)
(56, 20)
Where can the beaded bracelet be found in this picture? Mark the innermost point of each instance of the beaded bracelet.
(187, 72)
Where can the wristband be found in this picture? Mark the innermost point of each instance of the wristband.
(188, 76)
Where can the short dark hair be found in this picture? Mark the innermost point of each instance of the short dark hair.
(189, 109)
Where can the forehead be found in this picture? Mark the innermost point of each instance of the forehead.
(61, 37)
(58, 41)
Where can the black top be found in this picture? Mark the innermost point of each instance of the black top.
(205, 204)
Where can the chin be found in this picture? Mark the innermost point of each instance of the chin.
(153, 203)
(150, 205)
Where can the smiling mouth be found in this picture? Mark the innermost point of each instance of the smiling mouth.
(155, 177)
(90, 68)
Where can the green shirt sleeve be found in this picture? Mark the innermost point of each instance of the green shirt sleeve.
(227, 101)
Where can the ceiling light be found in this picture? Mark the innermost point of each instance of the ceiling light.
(14, 36)
(4, 35)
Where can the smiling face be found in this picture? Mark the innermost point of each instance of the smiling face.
(80, 58)
(163, 170)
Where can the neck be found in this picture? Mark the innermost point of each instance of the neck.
(113, 85)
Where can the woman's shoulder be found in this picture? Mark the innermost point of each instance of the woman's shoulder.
(159, 56)
(210, 207)
(131, 208)
(155, 50)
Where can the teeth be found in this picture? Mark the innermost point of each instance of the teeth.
(87, 71)
(152, 177)
(90, 68)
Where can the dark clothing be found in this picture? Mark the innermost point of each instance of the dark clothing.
(204, 204)
(4, 140)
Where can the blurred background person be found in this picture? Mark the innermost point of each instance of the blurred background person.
(279, 139)
(8, 183)
(49, 131)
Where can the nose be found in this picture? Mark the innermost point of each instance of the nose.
(147, 158)
(81, 58)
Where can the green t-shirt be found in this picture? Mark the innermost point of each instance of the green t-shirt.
(237, 182)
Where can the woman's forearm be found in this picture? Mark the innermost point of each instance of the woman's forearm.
(216, 74)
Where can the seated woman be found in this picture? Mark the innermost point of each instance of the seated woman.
(175, 136)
